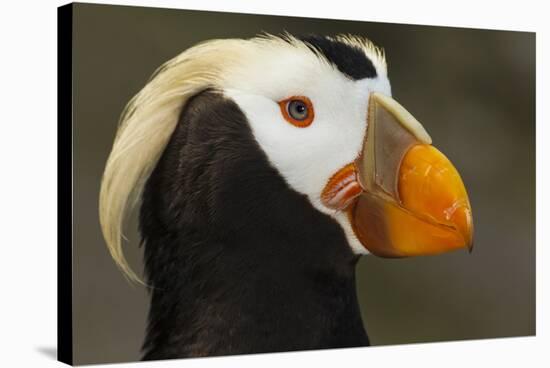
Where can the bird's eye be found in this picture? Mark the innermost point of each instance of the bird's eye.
(297, 110)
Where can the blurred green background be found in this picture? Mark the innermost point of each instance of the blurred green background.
(474, 91)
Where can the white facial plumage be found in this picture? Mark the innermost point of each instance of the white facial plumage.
(306, 157)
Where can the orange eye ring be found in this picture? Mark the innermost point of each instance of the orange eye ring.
(302, 102)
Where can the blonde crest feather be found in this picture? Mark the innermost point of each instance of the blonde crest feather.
(145, 126)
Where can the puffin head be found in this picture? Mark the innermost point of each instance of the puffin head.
(320, 111)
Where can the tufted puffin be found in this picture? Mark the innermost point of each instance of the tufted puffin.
(263, 169)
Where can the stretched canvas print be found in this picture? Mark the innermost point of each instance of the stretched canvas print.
(239, 184)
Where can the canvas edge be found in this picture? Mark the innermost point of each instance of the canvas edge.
(64, 188)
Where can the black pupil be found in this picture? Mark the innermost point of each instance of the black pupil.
(297, 109)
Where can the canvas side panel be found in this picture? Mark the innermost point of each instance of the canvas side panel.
(64, 186)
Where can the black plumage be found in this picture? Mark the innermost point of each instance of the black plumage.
(238, 261)
(349, 60)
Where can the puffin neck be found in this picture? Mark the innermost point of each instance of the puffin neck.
(238, 261)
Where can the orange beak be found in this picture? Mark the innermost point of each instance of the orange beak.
(407, 199)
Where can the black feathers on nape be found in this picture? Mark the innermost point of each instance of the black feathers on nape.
(349, 60)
